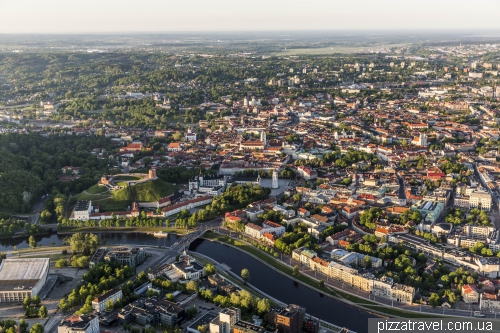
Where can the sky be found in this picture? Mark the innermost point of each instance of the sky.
(127, 16)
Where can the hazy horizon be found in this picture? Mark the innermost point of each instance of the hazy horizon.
(222, 16)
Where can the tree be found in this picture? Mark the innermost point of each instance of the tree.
(245, 275)
(110, 305)
(296, 270)
(43, 311)
(151, 293)
(434, 300)
(36, 300)
(321, 283)
(210, 269)
(263, 306)
(191, 312)
(26, 302)
(63, 305)
(37, 328)
(32, 242)
(61, 263)
(368, 261)
(192, 286)
(23, 325)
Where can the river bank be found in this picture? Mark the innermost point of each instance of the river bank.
(312, 283)
(120, 230)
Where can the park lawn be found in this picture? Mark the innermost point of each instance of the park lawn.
(152, 190)
(111, 204)
(53, 257)
(93, 197)
(127, 178)
(96, 189)
(121, 194)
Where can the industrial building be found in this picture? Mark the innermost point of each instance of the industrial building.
(22, 277)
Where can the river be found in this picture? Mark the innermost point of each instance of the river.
(262, 277)
(134, 238)
(285, 289)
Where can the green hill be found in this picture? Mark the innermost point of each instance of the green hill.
(152, 191)
(121, 199)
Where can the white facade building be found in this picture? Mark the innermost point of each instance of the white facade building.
(79, 324)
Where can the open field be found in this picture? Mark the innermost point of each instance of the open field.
(112, 204)
(335, 49)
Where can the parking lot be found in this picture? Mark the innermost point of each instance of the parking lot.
(203, 308)
(69, 278)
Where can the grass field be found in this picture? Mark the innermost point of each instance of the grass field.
(127, 178)
(112, 204)
(93, 197)
(96, 189)
(153, 190)
(53, 257)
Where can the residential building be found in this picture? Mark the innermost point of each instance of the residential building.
(113, 295)
(79, 324)
(489, 301)
(470, 294)
(287, 320)
(246, 327)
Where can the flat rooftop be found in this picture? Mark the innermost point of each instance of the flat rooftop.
(82, 205)
(204, 320)
(23, 269)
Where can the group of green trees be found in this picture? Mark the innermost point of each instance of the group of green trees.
(445, 294)
(54, 206)
(31, 163)
(427, 235)
(30, 306)
(10, 226)
(369, 216)
(481, 249)
(477, 215)
(333, 229)
(180, 174)
(9, 326)
(455, 216)
(100, 278)
(242, 300)
(239, 196)
(187, 220)
(450, 165)
(297, 238)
